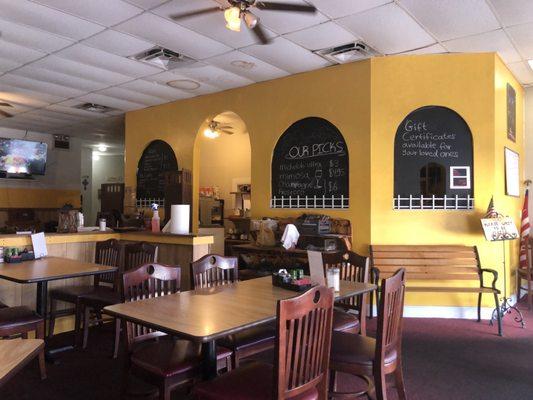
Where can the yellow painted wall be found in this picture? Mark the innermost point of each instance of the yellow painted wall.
(38, 198)
(366, 101)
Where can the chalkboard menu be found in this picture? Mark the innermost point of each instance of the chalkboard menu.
(310, 167)
(433, 149)
(156, 159)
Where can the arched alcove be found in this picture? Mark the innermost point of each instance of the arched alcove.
(433, 161)
(310, 166)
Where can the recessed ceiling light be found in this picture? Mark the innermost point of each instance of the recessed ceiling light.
(243, 64)
(184, 84)
(530, 62)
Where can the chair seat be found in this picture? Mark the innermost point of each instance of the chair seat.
(101, 297)
(253, 381)
(345, 321)
(264, 335)
(347, 348)
(70, 293)
(12, 317)
(169, 357)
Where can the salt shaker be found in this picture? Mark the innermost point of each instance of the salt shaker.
(102, 224)
(333, 278)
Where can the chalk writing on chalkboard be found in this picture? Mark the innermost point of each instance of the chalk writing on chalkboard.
(156, 159)
(310, 166)
(430, 143)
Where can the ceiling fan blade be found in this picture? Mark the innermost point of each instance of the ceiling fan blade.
(4, 104)
(265, 5)
(226, 132)
(260, 34)
(195, 13)
(5, 114)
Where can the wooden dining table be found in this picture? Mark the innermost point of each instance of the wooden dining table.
(15, 354)
(46, 269)
(205, 315)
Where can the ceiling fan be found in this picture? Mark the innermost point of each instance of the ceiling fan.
(239, 11)
(5, 113)
(215, 129)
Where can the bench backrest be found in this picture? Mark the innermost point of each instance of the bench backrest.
(427, 262)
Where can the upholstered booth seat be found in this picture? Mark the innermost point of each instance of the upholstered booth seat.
(13, 317)
(251, 381)
(345, 322)
(168, 357)
(356, 349)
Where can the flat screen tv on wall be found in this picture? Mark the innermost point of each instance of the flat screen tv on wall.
(22, 157)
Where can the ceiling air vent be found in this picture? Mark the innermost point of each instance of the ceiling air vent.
(97, 108)
(163, 58)
(347, 53)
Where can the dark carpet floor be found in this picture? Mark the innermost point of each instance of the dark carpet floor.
(443, 359)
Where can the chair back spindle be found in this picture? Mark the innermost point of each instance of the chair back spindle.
(107, 253)
(214, 270)
(304, 341)
(144, 282)
(136, 254)
(390, 315)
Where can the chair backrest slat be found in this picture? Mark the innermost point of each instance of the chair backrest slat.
(144, 282)
(136, 254)
(304, 340)
(214, 270)
(107, 253)
(390, 315)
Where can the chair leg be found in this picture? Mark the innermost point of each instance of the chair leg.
(86, 323)
(77, 324)
(498, 314)
(400, 386)
(529, 295)
(53, 311)
(479, 306)
(380, 384)
(39, 334)
(371, 305)
(99, 317)
(332, 381)
(164, 391)
(117, 337)
(235, 359)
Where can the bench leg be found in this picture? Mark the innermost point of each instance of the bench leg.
(498, 312)
(479, 306)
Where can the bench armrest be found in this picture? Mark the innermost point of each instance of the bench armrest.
(374, 275)
(494, 277)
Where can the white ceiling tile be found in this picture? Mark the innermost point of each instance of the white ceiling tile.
(173, 36)
(122, 105)
(450, 19)
(496, 41)
(130, 95)
(6, 65)
(284, 22)
(214, 76)
(19, 54)
(39, 86)
(105, 12)
(101, 59)
(432, 49)
(59, 78)
(155, 89)
(388, 29)
(514, 12)
(26, 97)
(522, 36)
(118, 43)
(146, 4)
(81, 70)
(168, 76)
(245, 65)
(342, 8)
(317, 37)
(47, 19)
(522, 72)
(57, 115)
(33, 38)
(211, 25)
(286, 55)
(74, 111)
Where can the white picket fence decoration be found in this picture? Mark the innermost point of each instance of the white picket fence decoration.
(433, 203)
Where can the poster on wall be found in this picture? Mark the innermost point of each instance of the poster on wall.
(511, 113)
(512, 173)
(460, 177)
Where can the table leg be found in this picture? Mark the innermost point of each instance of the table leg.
(41, 301)
(209, 360)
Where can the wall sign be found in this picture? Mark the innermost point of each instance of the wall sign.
(310, 167)
(433, 161)
(512, 173)
(511, 113)
(156, 159)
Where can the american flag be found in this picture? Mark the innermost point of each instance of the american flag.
(524, 232)
(491, 211)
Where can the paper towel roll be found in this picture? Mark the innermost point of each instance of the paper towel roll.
(179, 218)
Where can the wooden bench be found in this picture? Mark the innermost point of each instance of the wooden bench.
(436, 263)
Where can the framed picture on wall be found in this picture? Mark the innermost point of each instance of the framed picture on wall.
(460, 177)
(512, 173)
(511, 113)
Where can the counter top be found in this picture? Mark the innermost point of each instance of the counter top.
(96, 236)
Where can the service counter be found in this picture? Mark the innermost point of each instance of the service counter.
(172, 249)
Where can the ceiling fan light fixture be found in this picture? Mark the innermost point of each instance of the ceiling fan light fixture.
(250, 19)
(232, 16)
(211, 133)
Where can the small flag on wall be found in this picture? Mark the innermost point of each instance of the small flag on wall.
(524, 232)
